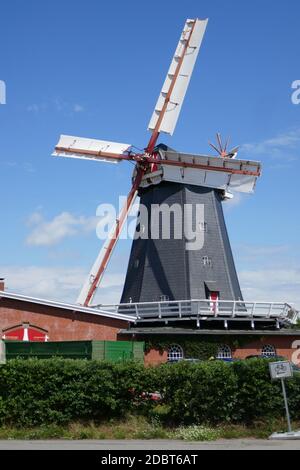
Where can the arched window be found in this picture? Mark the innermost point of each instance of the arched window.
(175, 353)
(268, 350)
(224, 352)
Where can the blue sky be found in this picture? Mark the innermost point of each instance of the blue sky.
(95, 69)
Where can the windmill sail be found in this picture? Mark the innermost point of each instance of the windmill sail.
(91, 149)
(171, 97)
(211, 172)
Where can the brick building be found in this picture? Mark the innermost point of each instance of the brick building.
(26, 318)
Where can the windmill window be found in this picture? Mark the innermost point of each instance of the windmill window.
(136, 263)
(175, 353)
(268, 350)
(164, 298)
(206, 260)
(203, 226)
(224, 352)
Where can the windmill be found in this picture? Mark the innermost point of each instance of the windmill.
(162, 269)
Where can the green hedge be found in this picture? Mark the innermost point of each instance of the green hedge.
(35, 392)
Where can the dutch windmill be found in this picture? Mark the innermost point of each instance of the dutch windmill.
(162, 269)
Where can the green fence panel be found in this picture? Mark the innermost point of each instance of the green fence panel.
(118, 351)
(98, 350)
(138, 350)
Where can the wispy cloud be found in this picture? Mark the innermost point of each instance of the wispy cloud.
(58, 105)
(269, 272)
(23, 166)
(275, 285)
(58, 283)
(52, 232)
(36, 108)
(78, 108)
(285, 144)
(254, 251)
(237, 200)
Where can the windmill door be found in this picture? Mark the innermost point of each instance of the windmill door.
(214, 304)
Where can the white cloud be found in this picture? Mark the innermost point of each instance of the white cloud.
(255, 251)
(284, 144)
(52, 283)
(271, 285)
(35, 108)
(77, 108)
(56, 104)
(58, 283)
(52, 232)
(237, 200)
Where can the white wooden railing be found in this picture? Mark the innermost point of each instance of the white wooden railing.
(204, 309)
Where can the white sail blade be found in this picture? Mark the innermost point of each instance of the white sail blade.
(178, 77)
(91, 149)
(212, 172)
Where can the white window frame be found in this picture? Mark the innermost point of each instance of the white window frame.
(175, 353)
(268, 350)
(164, 298)
(203, 227)
(224, 352)
(207, 261)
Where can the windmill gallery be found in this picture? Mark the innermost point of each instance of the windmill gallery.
(181, 280)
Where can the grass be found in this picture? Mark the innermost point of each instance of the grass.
(139, 428)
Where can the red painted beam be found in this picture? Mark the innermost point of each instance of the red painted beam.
(95, 153)
(203, 167)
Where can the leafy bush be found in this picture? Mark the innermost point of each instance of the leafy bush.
(200, 392)
(40, 392)
(258, 396)
(36, 391)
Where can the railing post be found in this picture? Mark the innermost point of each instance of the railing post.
(270, 310)
(159, 310)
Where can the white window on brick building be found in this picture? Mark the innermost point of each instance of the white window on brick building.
(224, 352)
(175, 353)
(268, 351)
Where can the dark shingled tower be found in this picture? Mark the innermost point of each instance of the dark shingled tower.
(165, 270)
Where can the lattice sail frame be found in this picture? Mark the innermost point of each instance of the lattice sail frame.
(181, 68)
